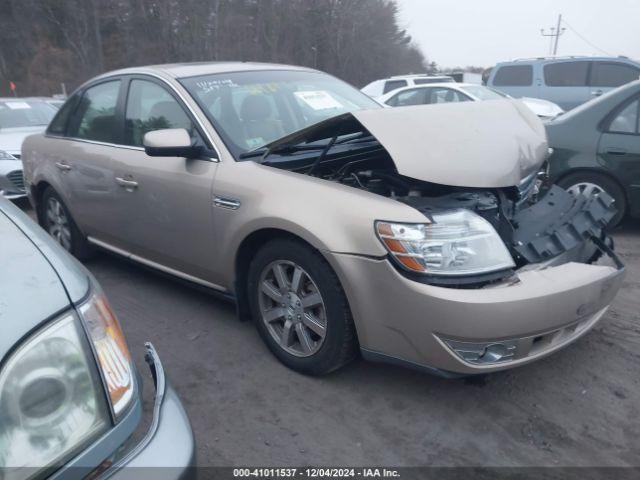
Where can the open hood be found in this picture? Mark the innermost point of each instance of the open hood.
(491, 144)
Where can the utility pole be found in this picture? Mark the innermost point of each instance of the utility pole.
(555, 32)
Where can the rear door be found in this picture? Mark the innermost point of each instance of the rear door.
(619, 147)
(565, 83)
(166, 202)
(607, 75)
(82, 160)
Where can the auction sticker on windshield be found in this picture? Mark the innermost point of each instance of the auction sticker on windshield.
(318, 99)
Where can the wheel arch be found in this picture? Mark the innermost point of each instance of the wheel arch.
(245, 253)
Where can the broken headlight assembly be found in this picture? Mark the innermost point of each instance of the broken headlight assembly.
(456, 243)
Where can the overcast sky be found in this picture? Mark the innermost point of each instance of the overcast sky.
(483, 32)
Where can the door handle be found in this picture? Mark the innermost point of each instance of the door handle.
(596, 93)
(63, 166)
(230, 203)
(128, 184)
(616, 151)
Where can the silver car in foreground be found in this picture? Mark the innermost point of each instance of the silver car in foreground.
(412, 235)
(70, 395)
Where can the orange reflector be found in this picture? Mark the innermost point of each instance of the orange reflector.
(411, 263)
(394, 245)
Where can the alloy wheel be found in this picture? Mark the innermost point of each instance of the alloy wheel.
(58, 223)
(292, 308)
(585, 188)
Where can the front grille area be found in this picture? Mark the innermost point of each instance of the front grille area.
(17, 179)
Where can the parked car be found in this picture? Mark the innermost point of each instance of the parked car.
(467, 77)
(70, 395)
(379, 87)
(567, 81)
(462, 92)
(596, 147)
(11, 178)
(19, 118)
(412, 235)
(55, 101)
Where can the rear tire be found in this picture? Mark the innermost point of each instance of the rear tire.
(591, 181)
(300, 308)
(55, 218)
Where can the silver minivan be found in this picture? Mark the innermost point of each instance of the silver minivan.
(566, 81)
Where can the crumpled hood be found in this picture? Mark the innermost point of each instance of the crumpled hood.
(11, 138)
(490, 144)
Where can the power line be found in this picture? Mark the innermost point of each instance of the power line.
(587, 41)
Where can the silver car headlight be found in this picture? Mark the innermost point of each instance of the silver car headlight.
(457, 242)
(52, 402)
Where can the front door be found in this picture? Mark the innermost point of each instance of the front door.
(166, 202)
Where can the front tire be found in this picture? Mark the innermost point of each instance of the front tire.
(590, 183)
(300, 308)
(56, 219)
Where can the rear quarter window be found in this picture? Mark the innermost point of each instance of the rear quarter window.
(514, 76)
(566, 74)
(393, 84)
(58, 125)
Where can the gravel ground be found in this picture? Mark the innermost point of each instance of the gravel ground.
(579, 407)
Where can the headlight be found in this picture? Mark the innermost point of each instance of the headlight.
(6, 156)
(52, 403)
(111, 349)
(458, 242)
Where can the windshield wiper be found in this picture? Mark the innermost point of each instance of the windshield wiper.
(253, 153)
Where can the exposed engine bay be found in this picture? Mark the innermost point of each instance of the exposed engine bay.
(535, 227)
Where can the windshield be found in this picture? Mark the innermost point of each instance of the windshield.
(252, 109)
(482, 93)
(25, 113)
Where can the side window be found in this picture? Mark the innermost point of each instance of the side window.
(514, 76)
(627, 120)
(97, 113)
(58, 125)
(445, 95)
(393, 84)
(566, 74)
(408, 97)
(613, 74)
(151, 107)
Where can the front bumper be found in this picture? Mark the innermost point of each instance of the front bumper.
(167, 451)
(544, 309)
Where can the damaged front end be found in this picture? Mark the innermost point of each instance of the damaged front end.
(471, 171)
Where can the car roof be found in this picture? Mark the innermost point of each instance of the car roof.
(453, 85)
(182, 70)
(565, 58)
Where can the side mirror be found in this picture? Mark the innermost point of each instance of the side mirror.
(170, 142)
